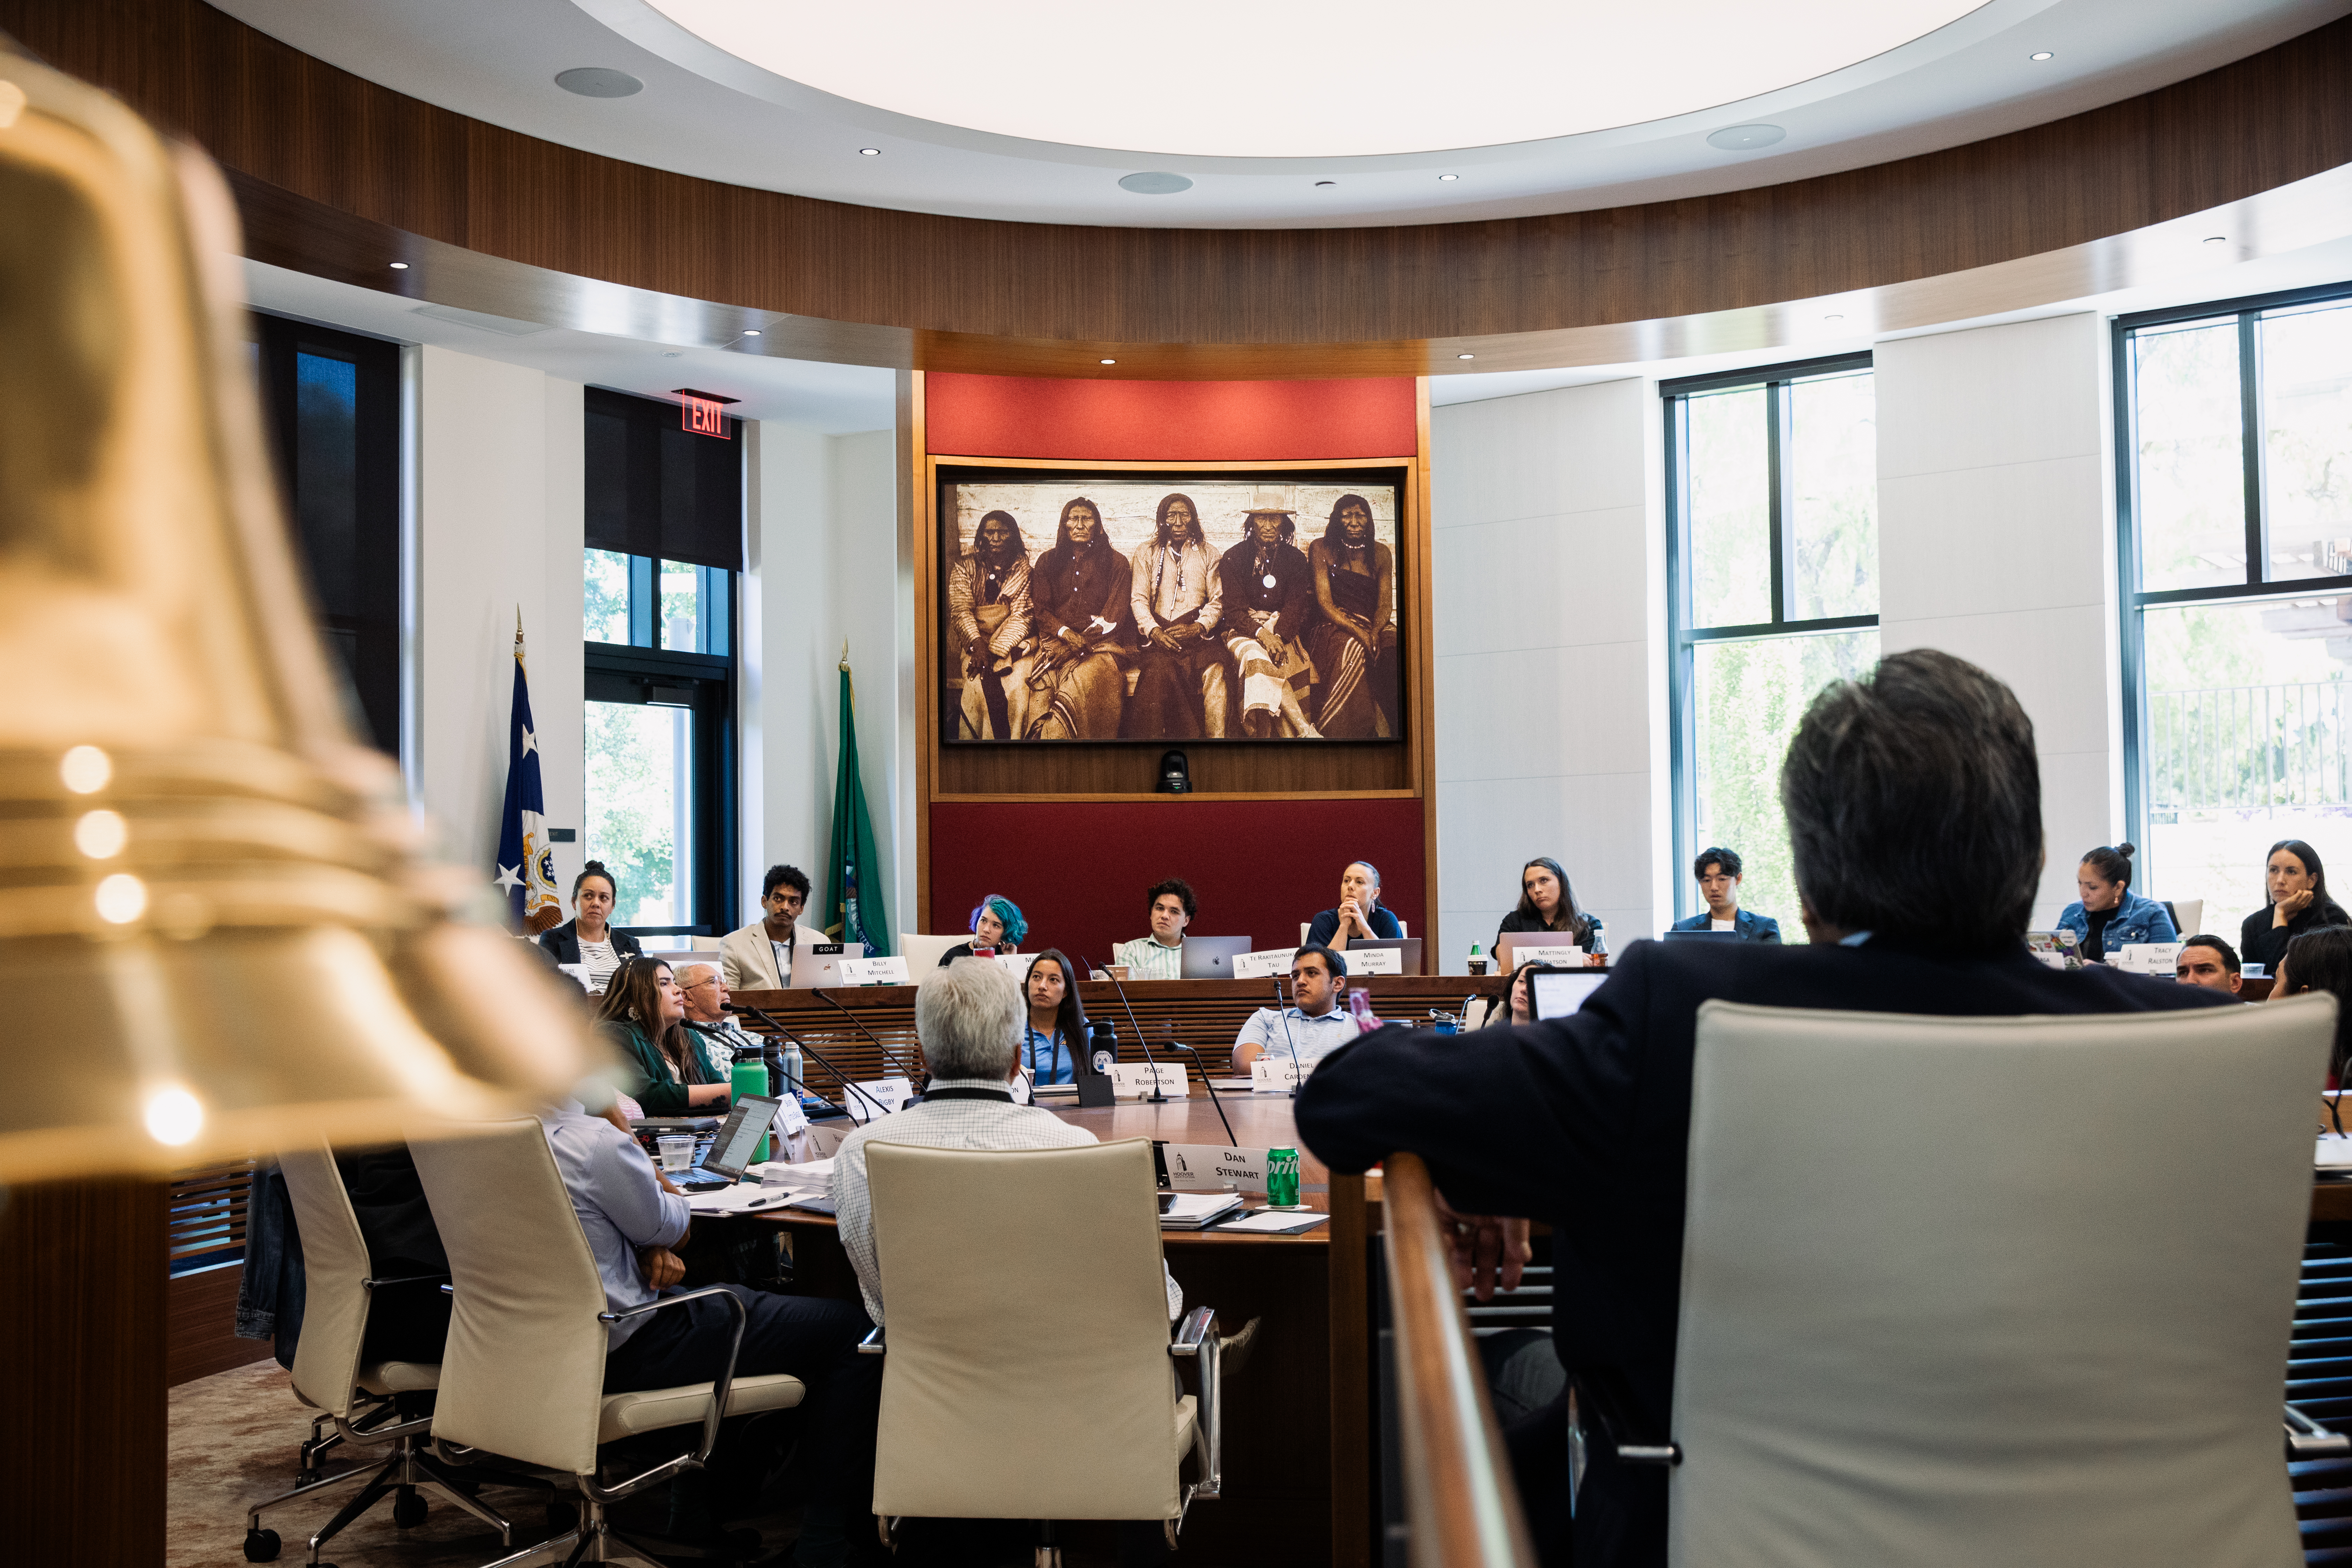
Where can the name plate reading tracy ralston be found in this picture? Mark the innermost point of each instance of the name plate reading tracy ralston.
(1205, 1168)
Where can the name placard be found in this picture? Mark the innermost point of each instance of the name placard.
(1270, 1075)
(1262, 965)
(874, 972)
(1568, 956)
(2148, 957)
(1374, 961)
(1132, 1080)
(790, 1117)
(1205, 1168)
(891, 1093)
(1017, 964)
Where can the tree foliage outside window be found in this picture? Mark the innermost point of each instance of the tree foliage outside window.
(637, 775)
(1775, 518)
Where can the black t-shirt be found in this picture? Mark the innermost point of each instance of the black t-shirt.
(2093, 944)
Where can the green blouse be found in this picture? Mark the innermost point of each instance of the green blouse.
(646, 1076)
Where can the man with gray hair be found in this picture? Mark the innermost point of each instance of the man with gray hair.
(1914, 801)
(967, 1017)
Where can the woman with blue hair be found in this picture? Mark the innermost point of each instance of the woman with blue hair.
(997, 922)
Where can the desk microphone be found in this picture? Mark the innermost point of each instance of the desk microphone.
(1281, 1011)
(806, 1050)
(1231, 1141)
(904, 1071)
(1156, 1098)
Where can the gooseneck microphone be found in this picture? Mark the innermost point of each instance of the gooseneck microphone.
(1281, 1011)
(1231, 1141)
(810, 1051)
(904, 1071)
(1155, 1098)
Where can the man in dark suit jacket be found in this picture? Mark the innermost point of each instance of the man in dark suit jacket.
(1914, 805)
(1719, 875)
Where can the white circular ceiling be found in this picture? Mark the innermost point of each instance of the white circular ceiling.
(1287, 79)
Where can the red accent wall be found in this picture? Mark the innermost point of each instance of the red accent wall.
(1258, 866)
(1170, 421)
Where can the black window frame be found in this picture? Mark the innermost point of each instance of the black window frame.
(1683, 638)
(2131, 600)
(375, 668)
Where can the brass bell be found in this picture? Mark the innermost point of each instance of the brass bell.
(215, 930)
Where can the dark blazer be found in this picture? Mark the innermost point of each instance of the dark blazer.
(1583, 1122)
(1746, 925)
(564, 942)
(2259, 942)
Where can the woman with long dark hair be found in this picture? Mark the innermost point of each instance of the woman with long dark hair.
(644, 1015)
(588, 939)
(2294, 895)
(1055, 1030)
(2321, 959)
(2109, 914)
(1547, 903)
(1079, 591)
(1353, 642)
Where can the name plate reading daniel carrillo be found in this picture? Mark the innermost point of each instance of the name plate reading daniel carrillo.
(1205, 1168)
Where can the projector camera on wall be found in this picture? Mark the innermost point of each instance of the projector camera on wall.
(1175, 775)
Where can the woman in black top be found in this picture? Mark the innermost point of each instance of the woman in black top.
(2321, 959)
(1547, 903)
(2296, 901)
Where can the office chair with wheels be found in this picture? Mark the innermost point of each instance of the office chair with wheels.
(523, 1377)
(1969, 1291)
(1076, 1416)
(330, 1375)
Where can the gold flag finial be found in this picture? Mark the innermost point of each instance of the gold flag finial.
(518, 633)
(845, 653)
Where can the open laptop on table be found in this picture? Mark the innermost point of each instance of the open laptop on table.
(819, 962)
(1212, 957)
(733, 1148)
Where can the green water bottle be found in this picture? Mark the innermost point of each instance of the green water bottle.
(751, 1077)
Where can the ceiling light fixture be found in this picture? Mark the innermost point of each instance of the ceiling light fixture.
(1154, 182)
(869, 152)
(1443, 178)
(400, 266)
(596, 81)
(1108, 361)
(1465, 356)
(1745, 138)
(750, 331)
(1832, 317)
(2217, 240)
(1320, 184)
(2043, 55)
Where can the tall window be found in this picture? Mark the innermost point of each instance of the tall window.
(2234, 487)
(332, 403)
(1773, 563)
(663, 544)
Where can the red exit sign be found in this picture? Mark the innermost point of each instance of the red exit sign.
(703, 413)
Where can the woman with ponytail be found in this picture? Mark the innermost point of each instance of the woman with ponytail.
(2109, 913)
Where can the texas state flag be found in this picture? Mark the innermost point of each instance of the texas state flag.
(526, 864)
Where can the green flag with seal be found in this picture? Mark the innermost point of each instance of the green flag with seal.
(853, 888)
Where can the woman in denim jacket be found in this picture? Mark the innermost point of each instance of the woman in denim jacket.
(2109, 913)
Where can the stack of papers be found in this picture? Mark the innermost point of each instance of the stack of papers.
(2334, 1153)
(1190, 1211)
(741, 1198)
(1274, 1222)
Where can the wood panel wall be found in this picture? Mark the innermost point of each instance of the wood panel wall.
(324, 136)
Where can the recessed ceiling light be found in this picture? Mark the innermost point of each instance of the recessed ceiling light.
(1155, 183)
(669, 353)
(2217, 240)
(1465, 356)
(2043, 55)
(1110, 362)
(1448, 177)
(596, 81)
(400, 266)
(1320, 184)
(1832, 317)
(1745, 138)
(750, 331)
(869, 152)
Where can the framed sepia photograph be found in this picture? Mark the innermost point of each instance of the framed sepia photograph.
(1121, 604)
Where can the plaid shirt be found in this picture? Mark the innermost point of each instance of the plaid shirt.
(1146, 960)
(996, 1124)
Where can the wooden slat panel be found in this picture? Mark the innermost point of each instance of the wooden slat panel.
(200, 1326)
(207, 1209)
(987, 295)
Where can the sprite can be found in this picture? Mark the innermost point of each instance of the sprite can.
(1282, 1178)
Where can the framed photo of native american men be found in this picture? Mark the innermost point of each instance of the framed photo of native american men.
(1257, 607)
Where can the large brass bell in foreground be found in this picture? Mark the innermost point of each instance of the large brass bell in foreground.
(214, 930)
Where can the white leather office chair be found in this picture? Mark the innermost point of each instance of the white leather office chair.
(524, 1372)
(2188, 916)
(1960, 1291)
(330, 1376)
(922, 951)
(1073, 1411)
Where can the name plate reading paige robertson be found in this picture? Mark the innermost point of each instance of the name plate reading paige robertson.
(1205, 1168)
(1269, 963)
(1132, 1080)
(1374, 961)
(874, 972)
(1271, 1074)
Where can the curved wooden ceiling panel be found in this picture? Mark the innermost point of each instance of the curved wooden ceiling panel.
(355, 167)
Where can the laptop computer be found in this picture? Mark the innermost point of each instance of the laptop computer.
(1556, 992)
(819, 962)
(733, 1147)
(1212, 957)
(1406, 948)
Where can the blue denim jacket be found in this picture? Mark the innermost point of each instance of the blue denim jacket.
(2135, 920)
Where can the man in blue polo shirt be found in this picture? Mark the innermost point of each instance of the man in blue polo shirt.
(1316, 1022)
(1717, 871)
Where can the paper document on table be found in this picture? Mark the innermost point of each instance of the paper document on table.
(1273, 1222)
(2335, 1153)
(817, 1173)
(741, 1199)
(1190, 1211)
